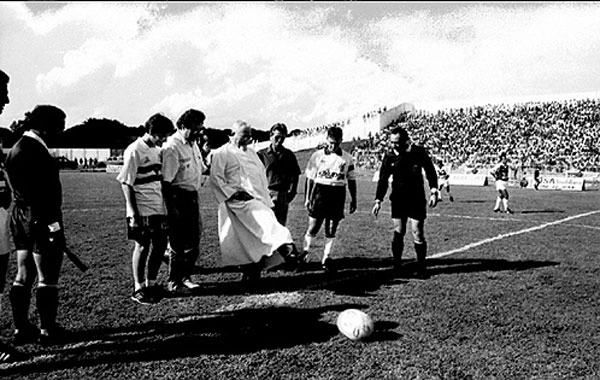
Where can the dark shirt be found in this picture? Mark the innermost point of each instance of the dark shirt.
(500, 172)
(281, 167)
(34, 177)
(407, 172)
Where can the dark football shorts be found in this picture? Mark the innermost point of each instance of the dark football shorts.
(149, 228)
(413, 206)
(327, 202)
(28, 234)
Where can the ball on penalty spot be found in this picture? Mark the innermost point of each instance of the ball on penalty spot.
(355, 324)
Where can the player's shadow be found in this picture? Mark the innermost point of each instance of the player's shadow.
(544, 211)
(454, 266)
(354, 278)
(310, 276)
(233, 332)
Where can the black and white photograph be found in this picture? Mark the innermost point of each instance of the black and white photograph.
(323, 190)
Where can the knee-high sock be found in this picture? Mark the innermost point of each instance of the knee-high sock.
(498, 201)
(47, 305)
(505, 203)
(177, 266)
(329, 241)
(397, 247)
(20, 298)
(421, 250)
(307, 243)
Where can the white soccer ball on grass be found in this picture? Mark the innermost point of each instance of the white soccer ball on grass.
(355, 324)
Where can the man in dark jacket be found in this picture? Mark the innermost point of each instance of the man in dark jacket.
(7, 353)
(37, 225)
(282, 172)
(405, 163)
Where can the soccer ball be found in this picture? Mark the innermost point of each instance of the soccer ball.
(355, 324)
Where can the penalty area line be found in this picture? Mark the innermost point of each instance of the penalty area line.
(510, 234)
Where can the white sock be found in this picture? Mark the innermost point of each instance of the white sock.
(505, 203)
(138, 285)
(307, 243)
(328, 247)
(498, 200)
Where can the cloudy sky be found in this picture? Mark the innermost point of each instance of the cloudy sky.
(305, 64)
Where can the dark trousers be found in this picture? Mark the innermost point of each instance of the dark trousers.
(281, 205)
(185, 228)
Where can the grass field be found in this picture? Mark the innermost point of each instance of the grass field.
(509, 297)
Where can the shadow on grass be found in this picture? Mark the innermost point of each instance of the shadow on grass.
(545, 211)
(356, 276)
(224, 333)
(450, 266)
(363, 282)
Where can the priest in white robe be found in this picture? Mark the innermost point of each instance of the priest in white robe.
(249, 233)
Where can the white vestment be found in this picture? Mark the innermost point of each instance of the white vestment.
(248, 230)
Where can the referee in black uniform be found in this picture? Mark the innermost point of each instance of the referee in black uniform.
(405, 163)
(37, 225)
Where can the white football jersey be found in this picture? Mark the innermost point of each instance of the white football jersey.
(330, 169)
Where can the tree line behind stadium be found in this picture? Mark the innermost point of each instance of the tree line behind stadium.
(552, 135)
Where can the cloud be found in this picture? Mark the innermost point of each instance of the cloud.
(306, 64)
(493, 50)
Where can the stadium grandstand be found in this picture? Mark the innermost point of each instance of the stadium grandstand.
(558, 136)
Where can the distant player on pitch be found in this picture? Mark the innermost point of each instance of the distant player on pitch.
(500, 174)
(443, 172)
(146, 213)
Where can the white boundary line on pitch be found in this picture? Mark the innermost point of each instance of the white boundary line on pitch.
(502, 236)
(583, 226)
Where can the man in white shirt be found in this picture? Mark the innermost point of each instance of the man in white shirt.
(182, 168)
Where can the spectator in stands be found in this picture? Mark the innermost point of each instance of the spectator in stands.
(282, 171)
(405, 163)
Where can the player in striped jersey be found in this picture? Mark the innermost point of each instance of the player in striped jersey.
(146, 214)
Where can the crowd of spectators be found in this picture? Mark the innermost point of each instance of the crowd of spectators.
(552, 136)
